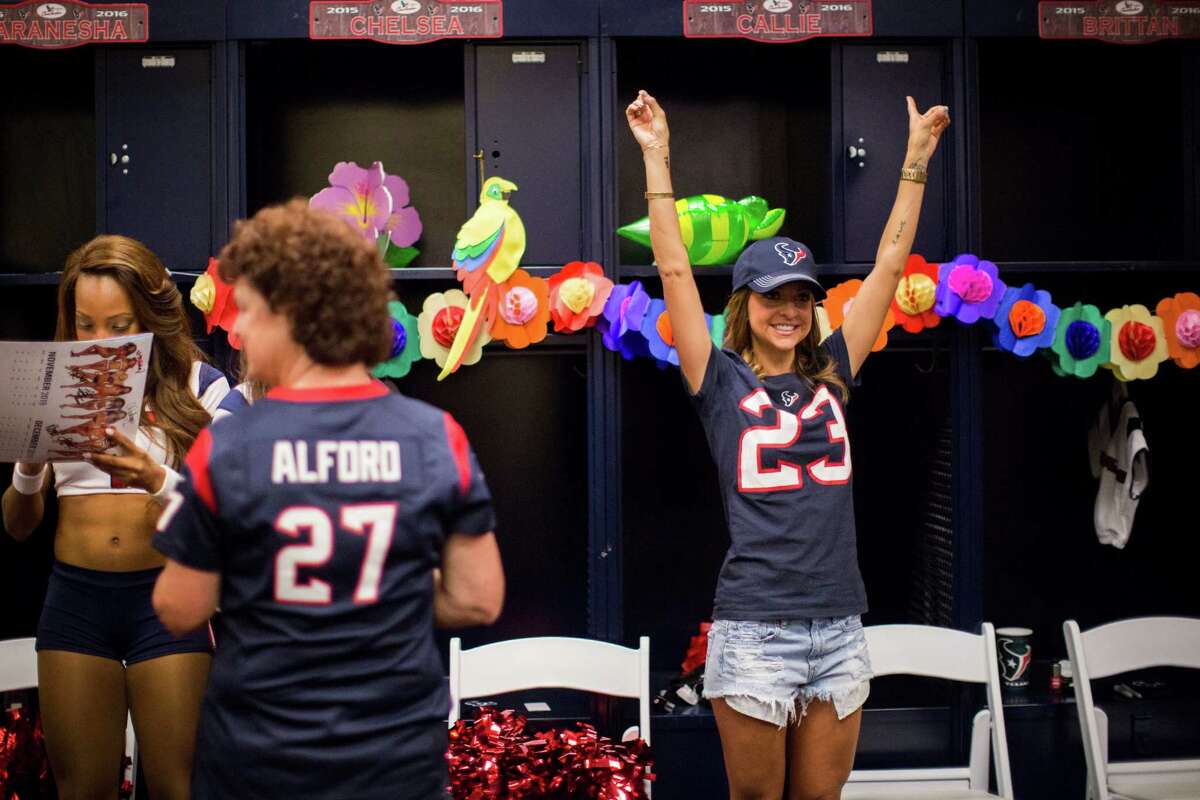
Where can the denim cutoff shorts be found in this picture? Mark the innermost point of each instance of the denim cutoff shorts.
(762, 669)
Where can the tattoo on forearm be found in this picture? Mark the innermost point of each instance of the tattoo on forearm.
(900, 230)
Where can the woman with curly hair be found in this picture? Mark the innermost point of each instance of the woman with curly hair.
(316, 517)
(788, 668)
(101, 650)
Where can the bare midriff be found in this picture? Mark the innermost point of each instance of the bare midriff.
(108, 532)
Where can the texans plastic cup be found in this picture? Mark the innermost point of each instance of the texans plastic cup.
(1014, 649)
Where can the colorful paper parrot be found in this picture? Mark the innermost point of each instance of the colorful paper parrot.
(487, 251)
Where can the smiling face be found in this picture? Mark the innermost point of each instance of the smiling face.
(103, 309)
(781, 317)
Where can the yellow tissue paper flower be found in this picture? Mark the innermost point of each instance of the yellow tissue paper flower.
(204, 293)
(577, 293)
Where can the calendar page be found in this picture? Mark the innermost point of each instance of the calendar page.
(59, 397)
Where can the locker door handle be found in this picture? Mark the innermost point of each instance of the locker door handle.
(857, 153)
(122, 159)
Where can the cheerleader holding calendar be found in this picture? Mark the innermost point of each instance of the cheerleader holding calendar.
(101, 650)
(788, 669)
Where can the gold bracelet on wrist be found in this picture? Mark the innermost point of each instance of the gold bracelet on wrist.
(654, 146)
(914, 174)
(660, 195)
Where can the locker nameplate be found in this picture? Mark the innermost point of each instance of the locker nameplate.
(406, 21)
(776, 20)
(1120, 21)
(71, 23)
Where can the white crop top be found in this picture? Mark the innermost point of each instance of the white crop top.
(80, 477)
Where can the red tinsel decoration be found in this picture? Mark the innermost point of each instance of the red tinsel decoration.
(24, 768)
(492, 756)
(697, 651)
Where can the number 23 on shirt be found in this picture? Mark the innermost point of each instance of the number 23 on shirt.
(754, 477)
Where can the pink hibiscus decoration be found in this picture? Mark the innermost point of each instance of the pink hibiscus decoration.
(375, 203)
(404, 224)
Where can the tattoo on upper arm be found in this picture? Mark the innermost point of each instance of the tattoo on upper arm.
(900, 230)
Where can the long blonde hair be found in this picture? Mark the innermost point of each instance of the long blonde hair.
(158, 307)
(812, 362)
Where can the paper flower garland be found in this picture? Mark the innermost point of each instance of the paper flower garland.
(214, 297)
(440, 317)
(1077, 340)
(838, 301)
(968, 289)
(522, 311)
(376, 204)
(1138, 342)
(578, 293)
(621, 322)
(1081, 341)
(656, 327)
(1026, 321)
(1181, 324)
(913, 304)
(406, 343)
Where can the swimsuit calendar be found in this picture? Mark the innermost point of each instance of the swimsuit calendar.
(61, 397)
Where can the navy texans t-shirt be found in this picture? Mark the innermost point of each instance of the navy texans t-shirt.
(783, 461)
(325, 512)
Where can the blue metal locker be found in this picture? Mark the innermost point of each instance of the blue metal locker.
(527, 123)
(875, 79)
(156, 144)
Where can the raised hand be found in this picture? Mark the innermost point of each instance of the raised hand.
(647, 121)
(924, 132)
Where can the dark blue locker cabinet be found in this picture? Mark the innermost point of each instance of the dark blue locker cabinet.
(525, 415)
(157, 169)
(310, 105)
(746, 118)
(875, 79)
(1084, 151)
(47, 157)
(1038, 501)
(528, 128)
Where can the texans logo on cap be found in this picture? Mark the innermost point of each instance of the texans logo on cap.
(791, 255)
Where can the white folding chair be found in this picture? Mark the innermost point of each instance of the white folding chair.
(585, 665)
(18, 670)
(950, 655)
(1124, 646)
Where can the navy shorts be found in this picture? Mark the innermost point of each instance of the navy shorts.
(109, 614)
